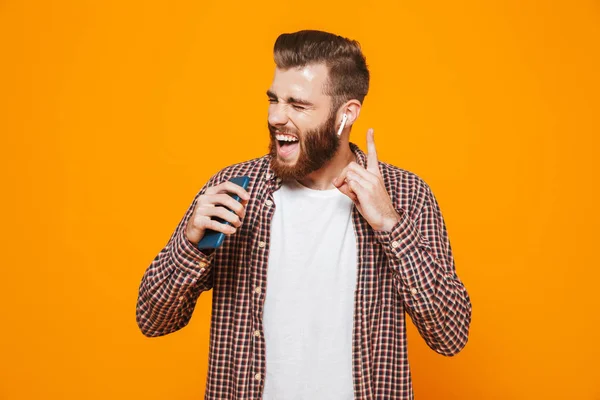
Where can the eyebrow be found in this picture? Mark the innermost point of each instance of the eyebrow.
(293, 100)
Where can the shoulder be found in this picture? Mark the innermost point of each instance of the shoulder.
(256, 169)
(400, 176)
(405, 187)
(253, 168)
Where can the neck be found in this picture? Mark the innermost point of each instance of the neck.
(322, 178)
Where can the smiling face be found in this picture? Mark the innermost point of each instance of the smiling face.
(301, 122)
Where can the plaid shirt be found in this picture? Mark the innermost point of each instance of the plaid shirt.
(408, 269)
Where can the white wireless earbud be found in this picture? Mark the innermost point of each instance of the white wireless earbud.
(344, 118)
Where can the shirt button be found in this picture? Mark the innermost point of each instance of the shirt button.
(395, 244)
(261, 244)
(181, 298)
(257, 333)
(202, 264)
(269, 203)
(257, 289)
(257, 377)
(413, 291)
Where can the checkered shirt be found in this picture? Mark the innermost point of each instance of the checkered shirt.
(409, 269)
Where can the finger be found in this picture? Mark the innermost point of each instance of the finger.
(366, 180)
(244, 205)
(219, 227)
(361, 187)
(372, 161)
(203, 222)
(361, 172)
(341, 178)
(224, 200)
(358, 189)
(351, 175)
(229, 187)
(348, 192)
(221, 212)
(354, 167)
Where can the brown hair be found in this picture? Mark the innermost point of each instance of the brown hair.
(348, 72)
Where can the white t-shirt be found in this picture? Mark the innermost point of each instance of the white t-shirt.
(309, 301)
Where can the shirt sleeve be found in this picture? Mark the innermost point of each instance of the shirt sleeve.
(174, 280)
(420, 256)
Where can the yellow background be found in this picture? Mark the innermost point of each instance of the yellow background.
(113, 114)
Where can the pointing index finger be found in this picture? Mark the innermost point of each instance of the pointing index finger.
(372, 161)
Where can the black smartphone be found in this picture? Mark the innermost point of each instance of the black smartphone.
(213, 239)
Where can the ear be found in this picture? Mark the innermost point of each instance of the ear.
(352, 109)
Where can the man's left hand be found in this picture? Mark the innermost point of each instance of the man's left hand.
(366, 189)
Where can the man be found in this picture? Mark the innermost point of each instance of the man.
(326, 252)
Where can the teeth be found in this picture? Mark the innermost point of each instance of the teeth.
(286, 138)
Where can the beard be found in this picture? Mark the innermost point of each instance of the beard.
(315, 148)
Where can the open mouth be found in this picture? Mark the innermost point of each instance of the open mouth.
(287, 144)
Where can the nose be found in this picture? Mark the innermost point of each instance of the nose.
(277, 114)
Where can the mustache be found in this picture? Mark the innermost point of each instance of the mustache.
(272, 129)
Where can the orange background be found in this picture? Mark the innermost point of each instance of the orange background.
(114, 113)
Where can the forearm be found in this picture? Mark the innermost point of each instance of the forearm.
(171, 286)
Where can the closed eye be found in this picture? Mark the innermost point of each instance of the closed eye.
(297, 107)
(297, 103)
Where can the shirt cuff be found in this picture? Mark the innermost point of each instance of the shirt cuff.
(401, 238)
(188, 257)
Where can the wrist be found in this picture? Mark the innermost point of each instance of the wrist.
(389, 223)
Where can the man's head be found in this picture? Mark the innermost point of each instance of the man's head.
(318, 78)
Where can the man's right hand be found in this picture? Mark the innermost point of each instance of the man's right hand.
(212, 204)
